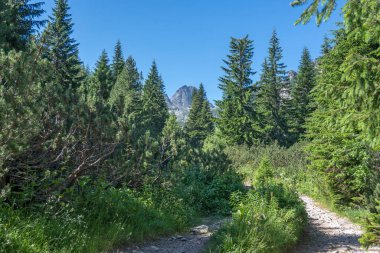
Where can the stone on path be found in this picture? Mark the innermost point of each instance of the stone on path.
(200, 230)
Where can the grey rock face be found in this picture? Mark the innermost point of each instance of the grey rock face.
(182, 97)
(180, 103)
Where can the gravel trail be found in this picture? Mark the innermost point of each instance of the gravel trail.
(191, 242)
(327, 232)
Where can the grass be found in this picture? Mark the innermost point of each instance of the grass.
(96, 221)
(269, 218)
(266, 220)
(93, 216)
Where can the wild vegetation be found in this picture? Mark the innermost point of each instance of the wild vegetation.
(92, 159)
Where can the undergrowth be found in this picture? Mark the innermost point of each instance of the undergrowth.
(95, 220)
(269, 218)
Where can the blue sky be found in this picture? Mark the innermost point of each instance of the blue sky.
(189, 39)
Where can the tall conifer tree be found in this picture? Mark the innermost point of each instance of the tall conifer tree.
(126, 92)
(199, 124)
(118, 61)
(236, 112)
(62, 49)
(155, 107)
(18, 22)
(273, 95)
(301, 106)
(104, 76)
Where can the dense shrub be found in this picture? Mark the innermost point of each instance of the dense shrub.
(269, 219)
(210, 194)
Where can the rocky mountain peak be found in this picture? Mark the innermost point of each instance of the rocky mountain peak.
(180, 103)
(183, 96)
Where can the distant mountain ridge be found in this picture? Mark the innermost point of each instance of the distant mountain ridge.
(180, 102)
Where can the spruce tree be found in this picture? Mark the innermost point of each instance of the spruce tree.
(301, 106)
(104, 76)
(155, 107)
(273, 95)
(172, 145)
(61, 48)
(129, 82)
(18, 22)
(127, 111)
(236, 112)
(199, 124)
(118, 61)
(326, 46)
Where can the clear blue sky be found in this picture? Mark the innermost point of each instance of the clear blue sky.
(189, 39)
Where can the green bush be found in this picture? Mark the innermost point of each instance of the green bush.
(210, 193)
(269, 219)
(372, 226)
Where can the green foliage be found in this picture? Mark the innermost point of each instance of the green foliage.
(273, 96)
(236, 115)
(61, 49)
(270, 219)
(154, 103)
(122, 216)
(18, 23)
(210, 193)
(340, 149)
(301, 106)
(103, 76)
(372, 234)
(199, 124)
(264, 173)
(322, 13)
(117, 61)
(360, 74)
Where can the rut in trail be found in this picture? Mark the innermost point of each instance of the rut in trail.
(327, 232)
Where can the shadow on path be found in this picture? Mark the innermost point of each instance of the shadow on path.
(327, 232)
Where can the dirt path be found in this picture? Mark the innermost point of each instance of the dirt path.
(191, 242)
(328, 232)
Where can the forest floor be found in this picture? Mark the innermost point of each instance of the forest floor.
(326, 232)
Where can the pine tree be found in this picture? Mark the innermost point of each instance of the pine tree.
(129, 82)
(326, 46)
(236, 113)
(127, 110)
(273, 96)
(172, 145)
(199, 124)
(104, 76)
(155, 107)
(61, 48)
(338, 151)
(301, 106)
(18, 23)
(118, 61)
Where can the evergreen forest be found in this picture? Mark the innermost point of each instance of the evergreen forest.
(92, 160)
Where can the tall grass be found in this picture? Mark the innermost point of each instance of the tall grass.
(96, 220)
